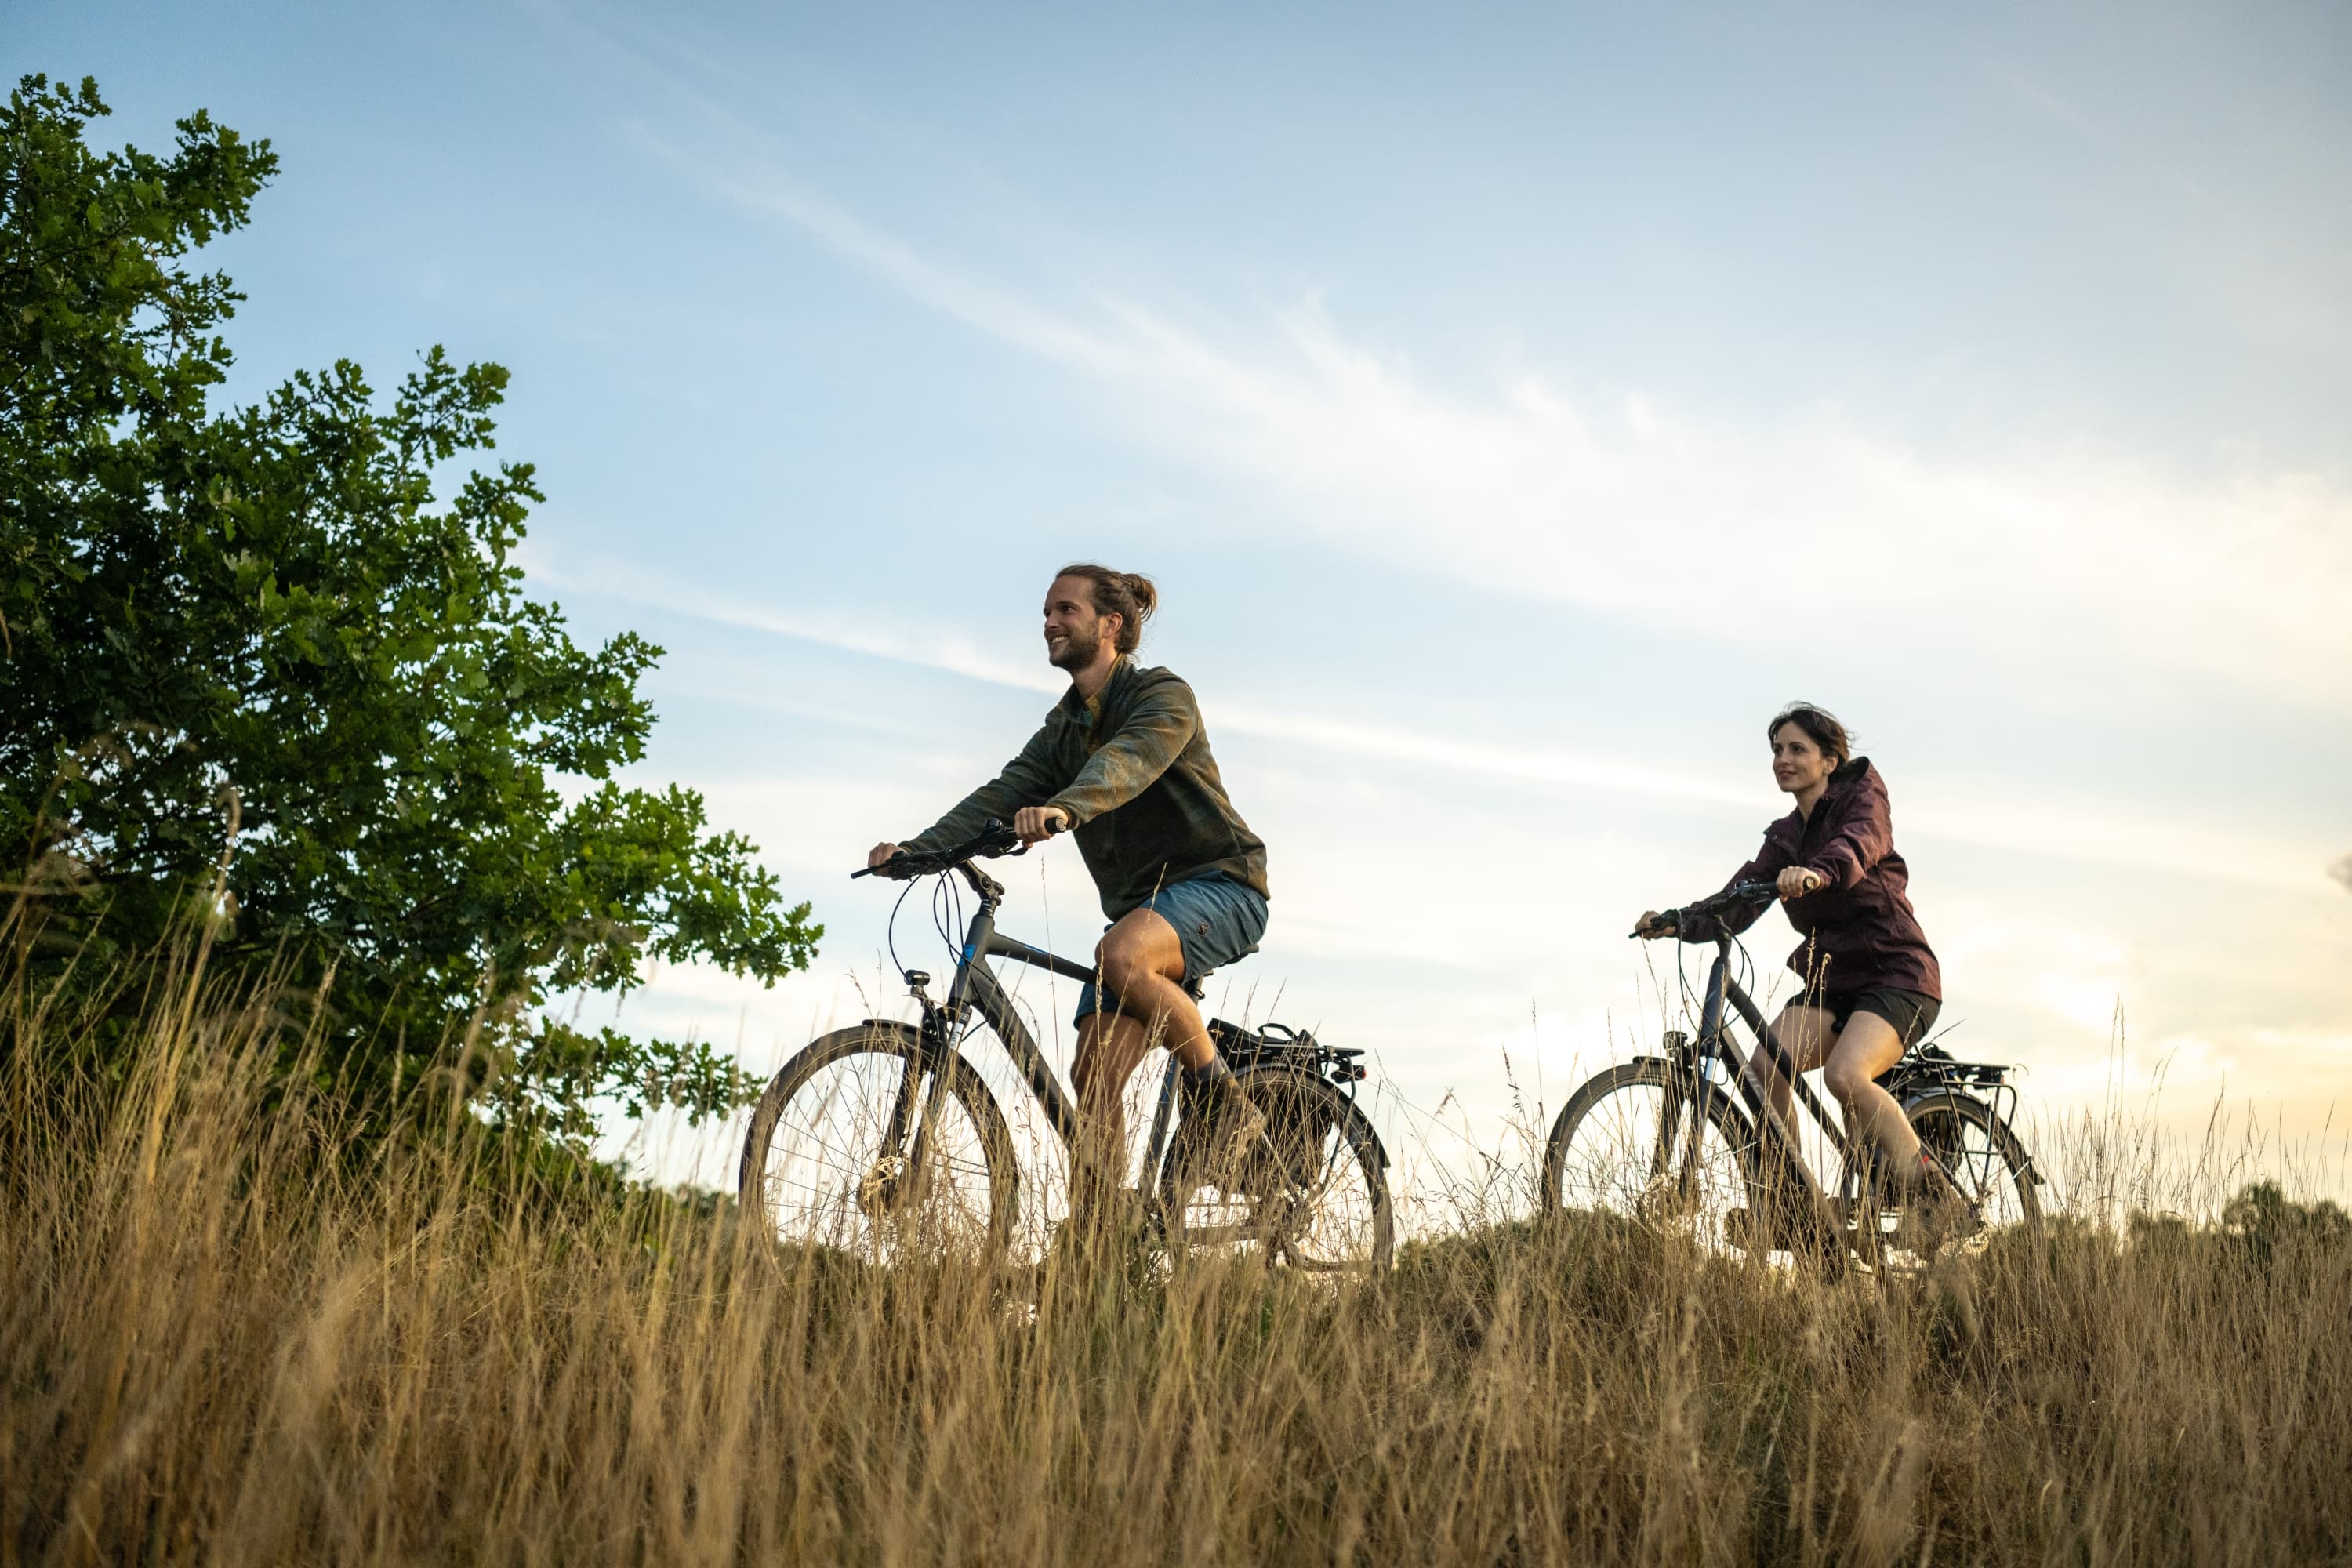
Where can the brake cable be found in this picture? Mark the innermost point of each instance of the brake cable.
(890, 933)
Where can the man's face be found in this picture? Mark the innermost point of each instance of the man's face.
(1073, 633)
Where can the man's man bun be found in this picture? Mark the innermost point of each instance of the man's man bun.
(1129, 596)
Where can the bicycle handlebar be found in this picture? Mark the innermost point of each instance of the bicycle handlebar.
(992, 841)
(1671, 921)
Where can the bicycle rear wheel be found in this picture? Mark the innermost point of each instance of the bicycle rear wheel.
(1985, 1161)
(1318, 1201)
(1622, 1146)
(820, 1167)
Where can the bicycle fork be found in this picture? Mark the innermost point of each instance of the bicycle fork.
(896, 1180)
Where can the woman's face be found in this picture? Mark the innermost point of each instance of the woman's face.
(1798, 765)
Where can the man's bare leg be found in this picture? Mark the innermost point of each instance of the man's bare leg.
(1141, 964)
(1110, 1047)
(1137, 950)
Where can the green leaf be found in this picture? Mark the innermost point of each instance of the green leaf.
(268, 604)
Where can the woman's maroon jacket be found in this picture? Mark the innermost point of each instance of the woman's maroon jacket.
(1859, 928)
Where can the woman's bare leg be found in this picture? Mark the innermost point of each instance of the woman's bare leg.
(1866, 1047)
(1804, 1033)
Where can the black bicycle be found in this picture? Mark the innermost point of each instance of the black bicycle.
(1688, 1139)
(884, 1139)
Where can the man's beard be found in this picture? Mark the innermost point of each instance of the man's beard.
(1075, 651)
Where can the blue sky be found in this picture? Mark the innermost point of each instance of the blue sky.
(1514, 412)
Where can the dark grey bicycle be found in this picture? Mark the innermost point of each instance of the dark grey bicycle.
(883, 1139)
(1687, 1138)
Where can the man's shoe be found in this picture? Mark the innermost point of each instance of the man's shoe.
(1239, 1152)
(1231, 1140)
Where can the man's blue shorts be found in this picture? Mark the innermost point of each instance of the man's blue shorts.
(1217, 919)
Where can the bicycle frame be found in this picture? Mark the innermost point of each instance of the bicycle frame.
(976, 988)
(1785, 1167)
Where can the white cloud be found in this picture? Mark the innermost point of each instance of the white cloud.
(2091, 833)
(1629, 505)
(1522, 481)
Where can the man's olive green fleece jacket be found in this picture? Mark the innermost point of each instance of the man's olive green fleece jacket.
(1132, 768)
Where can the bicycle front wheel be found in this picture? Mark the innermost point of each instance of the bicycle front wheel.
(1625, 1146)
(834, 1156)
(1318, 1201)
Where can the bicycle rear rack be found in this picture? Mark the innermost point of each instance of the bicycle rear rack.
(1929, 1068)
(1280, 1044)
(1937, 1068)
(1932, 1067)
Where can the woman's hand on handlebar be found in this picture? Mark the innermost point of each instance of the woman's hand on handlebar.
(1797, 881)
(1035, 824)
(1653, 925)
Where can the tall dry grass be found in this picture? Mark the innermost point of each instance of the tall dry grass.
(231, 1331)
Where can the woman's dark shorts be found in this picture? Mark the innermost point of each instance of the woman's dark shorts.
(1912, 1014)
(1217, 919)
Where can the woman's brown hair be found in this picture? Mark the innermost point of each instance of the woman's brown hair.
(1129, 596)
(1821, 725)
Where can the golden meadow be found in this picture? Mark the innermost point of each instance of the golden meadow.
(234, 1330)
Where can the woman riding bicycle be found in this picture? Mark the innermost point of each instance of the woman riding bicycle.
(1872, 983)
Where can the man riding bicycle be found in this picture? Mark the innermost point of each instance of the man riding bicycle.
(1123, 759)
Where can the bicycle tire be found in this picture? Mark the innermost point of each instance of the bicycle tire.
(1622, 1140)
(1944, 1119)
(1331, 1212)
(868, 1215)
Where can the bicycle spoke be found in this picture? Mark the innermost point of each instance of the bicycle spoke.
(1314, 1200)
(833, 1177)
(1622, 1157)
(1973, 1151)
(1337, 1214)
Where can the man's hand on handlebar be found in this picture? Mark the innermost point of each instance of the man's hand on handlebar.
(899, 863)
(1797, 881)
(1035, 824)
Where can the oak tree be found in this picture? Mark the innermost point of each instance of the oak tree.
(268, 667)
